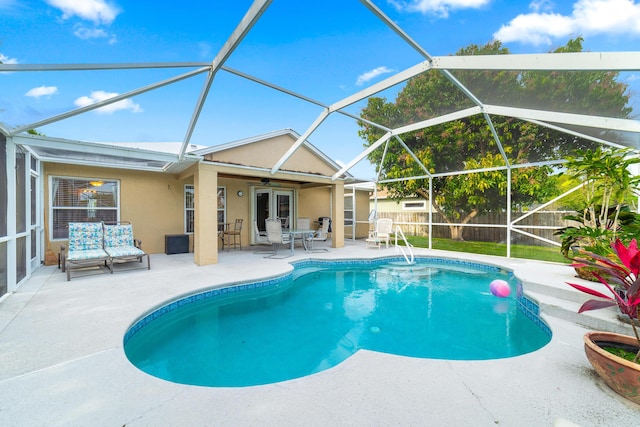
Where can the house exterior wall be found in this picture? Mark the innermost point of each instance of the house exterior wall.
(362, 214)
(314, 202)
(265, 153)
(153, 202)
(387, 205)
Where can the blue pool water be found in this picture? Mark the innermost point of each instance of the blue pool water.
(324, 312)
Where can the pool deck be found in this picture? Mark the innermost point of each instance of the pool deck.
(62, 362)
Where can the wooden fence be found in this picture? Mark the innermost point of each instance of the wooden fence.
(491, 227)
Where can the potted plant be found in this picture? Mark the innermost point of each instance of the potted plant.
(620, 275)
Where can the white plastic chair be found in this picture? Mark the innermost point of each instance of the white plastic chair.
(381, 233)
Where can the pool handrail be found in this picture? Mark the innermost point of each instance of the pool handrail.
(410, 259)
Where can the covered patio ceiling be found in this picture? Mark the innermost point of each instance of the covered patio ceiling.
(614, 131)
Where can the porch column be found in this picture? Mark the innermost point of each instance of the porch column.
(337, 215)
(205, 236)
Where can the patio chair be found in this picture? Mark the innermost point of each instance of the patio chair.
(85, 248)
(260, 237)
(321, 235)
(121, 246)
(303, 223)
(284, 222)
(276, 237)
(235, 233)
(381, 233)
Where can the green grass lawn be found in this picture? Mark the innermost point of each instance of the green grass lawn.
(540, 253)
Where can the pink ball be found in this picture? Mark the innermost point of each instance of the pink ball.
(500, 288)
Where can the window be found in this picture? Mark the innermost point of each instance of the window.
(189, 207)
(414, 205)
(348, 210)
(82, 200)
(222, 205)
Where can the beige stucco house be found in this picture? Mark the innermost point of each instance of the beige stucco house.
(228, 182)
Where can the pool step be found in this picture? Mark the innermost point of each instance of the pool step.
(407, 271)
(564, 303)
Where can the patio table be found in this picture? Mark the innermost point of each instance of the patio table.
(298, 233)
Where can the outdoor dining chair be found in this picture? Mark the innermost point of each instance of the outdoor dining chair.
(235, 233)
(276, 237)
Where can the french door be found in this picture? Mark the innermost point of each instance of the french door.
(272, 203)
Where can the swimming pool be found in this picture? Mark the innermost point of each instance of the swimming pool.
(325, 311)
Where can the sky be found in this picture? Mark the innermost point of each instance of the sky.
(325, 51)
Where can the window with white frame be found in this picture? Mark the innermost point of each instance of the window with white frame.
(414, 205)
(348, 210)
(222, 206)
(189, 207)
(81, 200)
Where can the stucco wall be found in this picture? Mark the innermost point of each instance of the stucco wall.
(153, 202)
(362, 214)
(314, 202)
(266, 153)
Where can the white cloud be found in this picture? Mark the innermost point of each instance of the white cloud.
(85, 33)
(99, 95)
(588, 17)
(8, 4)
(369, 75)
(541, 5)
(37, 92)
(6, 60)
(97, 11)
(439, 8)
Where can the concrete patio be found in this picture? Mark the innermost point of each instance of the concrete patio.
(62, 361)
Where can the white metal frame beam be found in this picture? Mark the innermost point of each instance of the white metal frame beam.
(570, 61)
(258, 7)
(109, 101)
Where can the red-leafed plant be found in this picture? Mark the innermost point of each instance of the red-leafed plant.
(622, 273)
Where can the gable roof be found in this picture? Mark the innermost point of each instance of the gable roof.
(262, 151)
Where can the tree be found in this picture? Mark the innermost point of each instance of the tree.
(469, 144)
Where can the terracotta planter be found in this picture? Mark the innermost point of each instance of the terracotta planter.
(621, 375)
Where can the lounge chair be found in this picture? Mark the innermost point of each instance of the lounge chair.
(85, 248)
(321, 235)
(121, 246)
(381, 233)
(276, 237)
